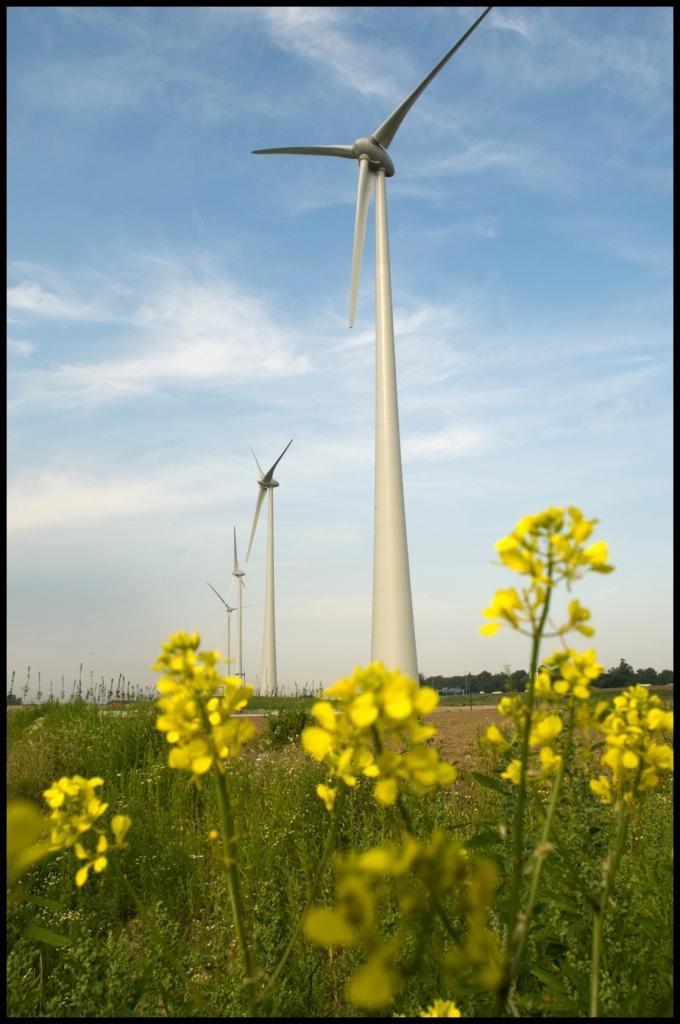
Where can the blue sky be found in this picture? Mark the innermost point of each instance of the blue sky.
(173, 299)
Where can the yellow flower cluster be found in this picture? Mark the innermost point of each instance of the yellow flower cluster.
(567, 672)
(546, 726)
(75, 810)
(548, 547)
(197, 706)
(564, 674)
(441, 1008)
(635, 727)
(421, 877)
(373, 711)
(524, 552)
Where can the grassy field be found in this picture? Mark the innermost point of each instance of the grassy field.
(112, 968)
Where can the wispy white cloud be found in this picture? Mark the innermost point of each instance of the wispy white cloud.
(512, 20)
(524, 161)
(559, 48)
(69, 499)
(31, 298)
(20, 347)
(452, 442)
(328, 36)
(180, 328)
(144, 59)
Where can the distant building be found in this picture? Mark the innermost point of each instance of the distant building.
(12, 699)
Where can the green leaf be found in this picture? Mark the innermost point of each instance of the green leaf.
(35, 931)
(553, 982)
(491, 782)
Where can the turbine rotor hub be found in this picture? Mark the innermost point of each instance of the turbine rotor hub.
(378, 158)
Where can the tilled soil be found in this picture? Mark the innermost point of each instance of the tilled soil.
(458, 730)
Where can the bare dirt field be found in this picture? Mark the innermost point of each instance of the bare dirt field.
(458, 728)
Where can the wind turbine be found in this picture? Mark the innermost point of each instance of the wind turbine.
(229, 609)
(393, 638)
(266, 482)
(238, 575)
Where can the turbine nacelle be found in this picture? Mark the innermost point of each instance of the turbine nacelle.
(265, 482)
(378, 158)
(371, 152)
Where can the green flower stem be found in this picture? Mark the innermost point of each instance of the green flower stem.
(610, 867)
(567, 863)
(229, 846)
(518, 831)
(327, 850)
(408, 825)
(542, 849)
(160, 943)
(443, 916)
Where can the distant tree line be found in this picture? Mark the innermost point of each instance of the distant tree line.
(509, 681)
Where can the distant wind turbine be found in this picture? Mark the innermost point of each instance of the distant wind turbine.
(393, 634)
(266, 482)
(230, 609)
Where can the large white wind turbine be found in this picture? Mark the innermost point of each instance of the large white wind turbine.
(266, 482)
(392, 635)
(237, 574)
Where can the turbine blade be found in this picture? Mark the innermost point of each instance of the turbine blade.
(345, 151)
(388, 129)
(219, 595)
(235, 554)
(363, 198)
(270, 474)
(260, 499)
(257, 464)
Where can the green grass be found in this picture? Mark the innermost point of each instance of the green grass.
(111, 967)
(459, 700)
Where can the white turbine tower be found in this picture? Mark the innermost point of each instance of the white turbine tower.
(393, 638)
(229, 611)
(268, 677)
(238, 575)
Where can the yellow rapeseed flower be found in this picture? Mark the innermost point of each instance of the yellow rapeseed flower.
(373, 713)
(544, 729)
(548, 548)
(76, 810)
(441, 1008)
(197, 705)
(513, 771)
(495, 738)
(95, 859)
(634, 727)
